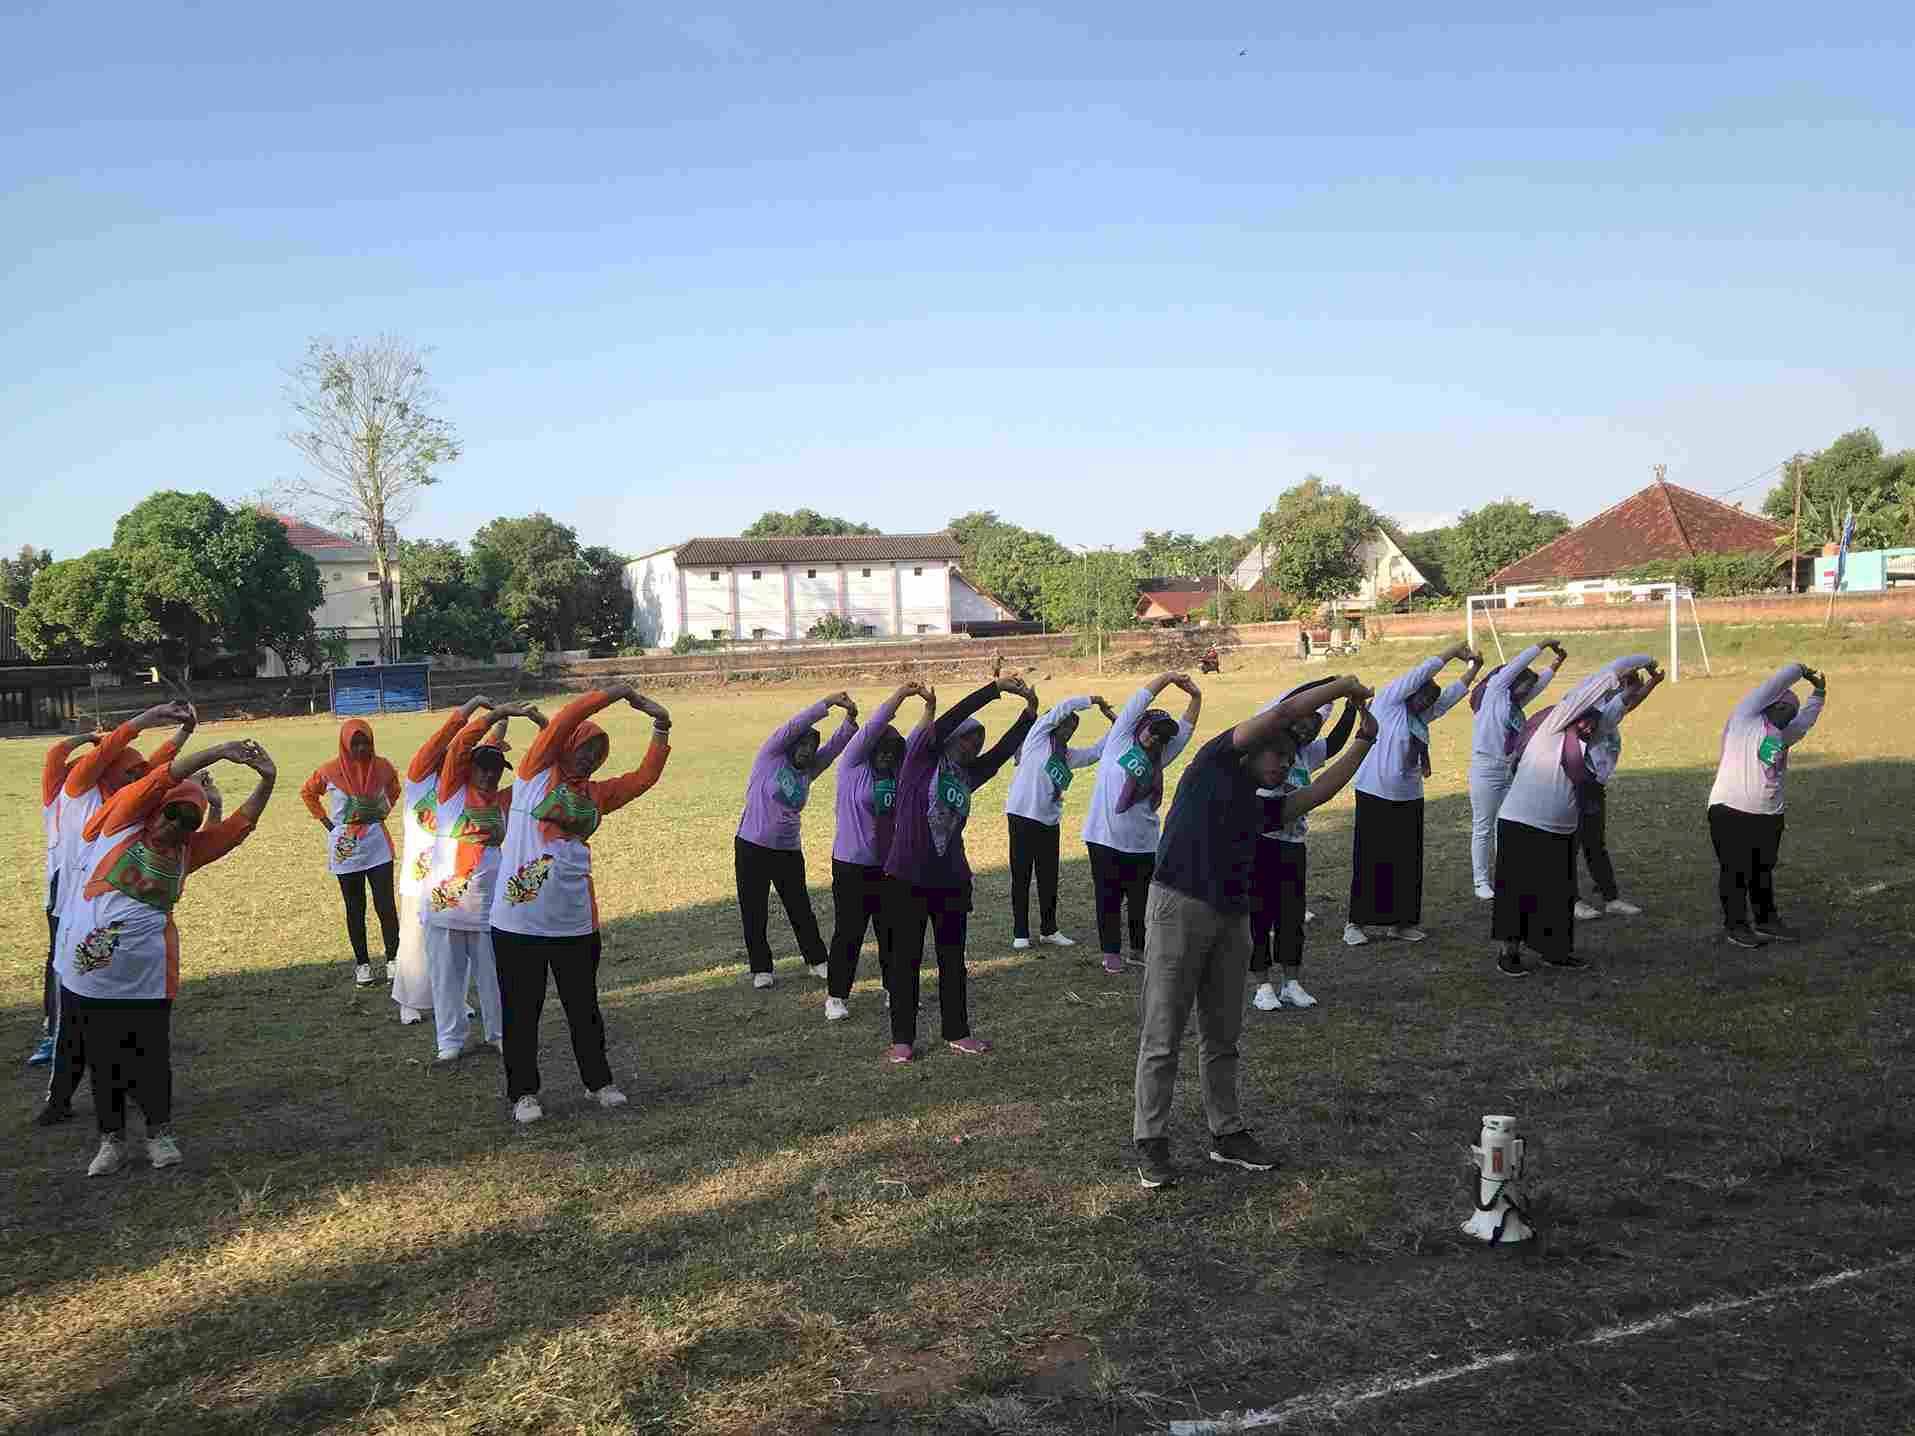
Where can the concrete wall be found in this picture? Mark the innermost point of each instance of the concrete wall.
(1809, 608)
(658, 612)
(924, 592)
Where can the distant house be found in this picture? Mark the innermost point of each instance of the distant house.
(1663, 522)
(1389, 578)
(1168, 601)
(351, 580)
(777, 589)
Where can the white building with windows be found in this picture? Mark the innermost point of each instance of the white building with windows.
(351, 580)
(1388, 575)
(777, 589)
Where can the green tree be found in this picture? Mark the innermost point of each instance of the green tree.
(1006, 560)
(1095, 592)
(603, 604)
(545, 573)
(1184, 555)
(1714, 575)
(1490, 538)
(16, 574)
(1429, 551)
(1310, 536)
(446, 611)
(804, 523)
(80, 612)
(1852, 471)
(364, 415)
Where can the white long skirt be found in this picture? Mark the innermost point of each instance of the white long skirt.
(411, 981)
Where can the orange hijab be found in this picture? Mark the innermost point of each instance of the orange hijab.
(355, 777)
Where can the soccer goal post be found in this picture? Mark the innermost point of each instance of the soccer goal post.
(1483, 608)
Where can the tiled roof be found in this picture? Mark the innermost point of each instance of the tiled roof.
(1176, 597)
(308, 537)
(828, 548)
(1663, 521)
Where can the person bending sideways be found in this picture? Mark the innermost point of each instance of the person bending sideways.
(120, 949)
(1498, 702)
(350, 798)
(1603, 755)
(1034, 812)
(1197, 924)
(1746, 803)
(768, 851)
(544, 907)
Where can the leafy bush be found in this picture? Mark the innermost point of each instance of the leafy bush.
(691, 643)
(534, 662)
(1713, 575)
(833, 628)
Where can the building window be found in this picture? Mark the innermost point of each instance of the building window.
(924, 628)
(867, 630)
(718, 633)
(865, 573)
(758, 633)
(918, 573)
(757, 573)
(714, 575)
(373, 577)
(811, 573)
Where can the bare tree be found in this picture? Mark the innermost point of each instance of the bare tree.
(364, 415)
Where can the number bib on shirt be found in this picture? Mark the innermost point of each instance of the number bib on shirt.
(788, 787)
(954, 795)
(884, 796)
(1769, 750)
(1059, 772)
(1137, 763)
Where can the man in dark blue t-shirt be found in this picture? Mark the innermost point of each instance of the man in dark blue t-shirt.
(1197, 924)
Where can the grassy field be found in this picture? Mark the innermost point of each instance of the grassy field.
(782, 1234)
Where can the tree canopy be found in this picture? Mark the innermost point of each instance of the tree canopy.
(1310, 536)
(525, 580)
(1854, 470)
(16, 574)
(1007, 560)
(803, 523)
(1184, 555)
(1481, 541)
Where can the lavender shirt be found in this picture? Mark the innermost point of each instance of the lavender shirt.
(775, 796)
(864, 836)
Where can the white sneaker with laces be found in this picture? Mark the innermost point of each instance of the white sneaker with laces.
(162, 1150)
(1586, 913)
(1409, 934)
(110, 1157)
(1354, 936)
(362, 975)
(1266, 998)
(836, 1009)
(610, 1096)
(1485, 893)
(1055, 939)
(819, 970)
(527, 1109)
(1020, 944)
(763, 980)
(1621, 908)
(1293, 995)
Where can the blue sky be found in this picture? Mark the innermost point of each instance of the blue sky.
(1086, 265)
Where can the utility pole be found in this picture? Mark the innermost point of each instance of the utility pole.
(1795, 534)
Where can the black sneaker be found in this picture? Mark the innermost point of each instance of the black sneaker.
(1153, 1163)
(1510, 964)
(1240, 1149)
(1742, 935)
(1775, 930)
(1574, 961)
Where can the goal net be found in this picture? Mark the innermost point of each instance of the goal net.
(1673, 607)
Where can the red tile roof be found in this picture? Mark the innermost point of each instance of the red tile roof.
(1663, 521)
(826, 548)
(1175, 597)
(303, 535)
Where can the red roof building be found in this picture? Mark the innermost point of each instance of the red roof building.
(1662, 522)
(1174, 600)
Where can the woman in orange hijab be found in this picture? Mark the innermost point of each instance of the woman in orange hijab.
(350, 797)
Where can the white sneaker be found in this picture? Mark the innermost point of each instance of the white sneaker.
(1354, 936)
(1485, 892)
(1621, 908)
(527, 1109)
(1586, 913)
(109, 1158)
(362, 975)
(162, 1150)
(1408, 934)
(1055, 939)
(1293, 995)
(411, 1016)
(1020, 944)
(763, 980)
(819, 970)
(1266, 999)
(609, 1096)
(836, 1008)
(450, 1054)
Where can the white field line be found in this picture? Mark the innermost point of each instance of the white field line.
(1356, 1393)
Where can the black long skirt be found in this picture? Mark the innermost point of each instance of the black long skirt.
(1386, 864)
(1535, 889)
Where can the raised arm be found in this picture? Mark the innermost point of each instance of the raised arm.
(86, 774)
(557, 735)
(858, 751)
(970, 704)
(1194, 708)
(1760, 697)
(1398, 690)
(216, 840)
(985, 766)
(829, 750)
(59, 760)
(430, 758)
(1811, 710)
(456, 767)
(1334, 740)
(787, 733)
(1041, 730)
(1333, 779)
(617, 792)
(1591, 691)
(1261, 730)
(1638, 693)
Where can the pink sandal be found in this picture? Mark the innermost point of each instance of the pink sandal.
(900, 1052)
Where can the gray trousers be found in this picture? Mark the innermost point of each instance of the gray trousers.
(1192, 954)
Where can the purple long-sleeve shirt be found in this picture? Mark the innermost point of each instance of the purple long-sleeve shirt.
(776, 793)
(914, 858)
(866, 812)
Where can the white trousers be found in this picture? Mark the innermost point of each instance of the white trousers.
(411, 983)
(1489, 782)
(457, 959)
